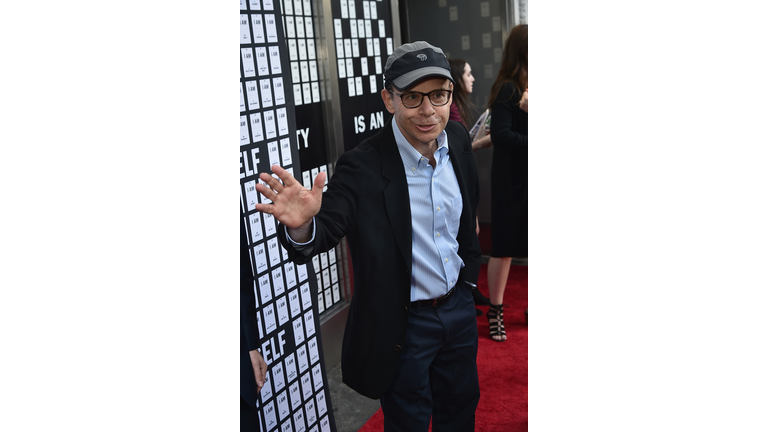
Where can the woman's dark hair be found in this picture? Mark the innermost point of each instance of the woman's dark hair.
(460, 93)
(514, 63)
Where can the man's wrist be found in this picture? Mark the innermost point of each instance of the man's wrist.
(303, 228)
(301, 235)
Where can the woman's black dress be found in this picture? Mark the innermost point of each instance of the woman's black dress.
(509, 175)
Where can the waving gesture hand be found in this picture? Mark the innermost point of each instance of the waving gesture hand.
(292, 204)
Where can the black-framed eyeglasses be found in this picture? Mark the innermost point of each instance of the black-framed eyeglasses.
(414, 99)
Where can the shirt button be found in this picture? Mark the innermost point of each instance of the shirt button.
(438, 208)
(446, 260)
(438, 234)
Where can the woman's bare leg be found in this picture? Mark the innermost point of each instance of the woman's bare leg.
(498, 271)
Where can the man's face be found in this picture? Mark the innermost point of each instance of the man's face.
(423, 124)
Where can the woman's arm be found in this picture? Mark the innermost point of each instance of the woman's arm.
(483, 142)
(508, 120)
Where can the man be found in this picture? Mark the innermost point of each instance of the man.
(253, 368)
(405, 199)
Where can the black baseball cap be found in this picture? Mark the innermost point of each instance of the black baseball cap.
(412, 62)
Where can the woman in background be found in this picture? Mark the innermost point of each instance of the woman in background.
(462, 106)
(509, 172)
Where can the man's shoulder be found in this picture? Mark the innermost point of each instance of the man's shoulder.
(457, 133)
(454, 127)
(371, 150)
(373, 143)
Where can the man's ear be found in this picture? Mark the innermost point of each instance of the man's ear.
(386, 96)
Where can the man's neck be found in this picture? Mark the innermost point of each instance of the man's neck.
(427, 150)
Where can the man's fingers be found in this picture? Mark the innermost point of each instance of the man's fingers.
(261, 373)
(284, 175)
(265, 208)
(317, 186)
(272, 182)
(259, 369)
(267, 192)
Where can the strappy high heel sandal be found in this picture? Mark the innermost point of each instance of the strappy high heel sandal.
(495, 316)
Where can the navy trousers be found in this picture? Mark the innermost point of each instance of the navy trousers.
(437, 374)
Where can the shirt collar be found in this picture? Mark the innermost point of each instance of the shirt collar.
(409, 154)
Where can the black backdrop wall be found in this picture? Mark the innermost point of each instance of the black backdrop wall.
(363, 40)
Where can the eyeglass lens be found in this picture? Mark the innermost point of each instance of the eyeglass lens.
(437, 97)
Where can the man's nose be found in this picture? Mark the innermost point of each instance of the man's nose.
(426, 107)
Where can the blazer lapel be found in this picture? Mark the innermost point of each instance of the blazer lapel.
(398, 204)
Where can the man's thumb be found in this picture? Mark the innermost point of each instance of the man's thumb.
(319, 182)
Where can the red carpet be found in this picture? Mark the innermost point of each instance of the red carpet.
(502, 366)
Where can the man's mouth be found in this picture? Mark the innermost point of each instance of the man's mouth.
(425, 128)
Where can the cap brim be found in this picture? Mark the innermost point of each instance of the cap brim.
(406, 80)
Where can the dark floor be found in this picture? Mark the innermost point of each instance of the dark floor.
(350, 409)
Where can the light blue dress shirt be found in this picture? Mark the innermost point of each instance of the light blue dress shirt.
(436, 207)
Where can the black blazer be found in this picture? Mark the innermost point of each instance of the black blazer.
(367, 201)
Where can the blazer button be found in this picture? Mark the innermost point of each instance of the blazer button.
(406, 307)
(398, 348)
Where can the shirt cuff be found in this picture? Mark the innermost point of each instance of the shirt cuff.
(301, 246)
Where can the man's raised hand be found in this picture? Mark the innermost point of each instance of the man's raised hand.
(292, 204)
